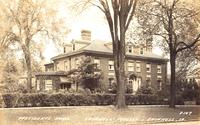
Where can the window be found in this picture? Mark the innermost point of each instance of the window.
(130, 50)
(65, 86)
(141, 50)
(38, 85)
(56, 67)
(111, 65)
(148, 80)
(130, 66)
(159, 80)
(77, 62)
(148, 67)
(73, 47)
(159, 69)
(138, 67)
(97, 61)
(66, 65)
(111, 82)
(130, 82)
(48, 85)
(64, 50)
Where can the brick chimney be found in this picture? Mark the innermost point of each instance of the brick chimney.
(86, 35)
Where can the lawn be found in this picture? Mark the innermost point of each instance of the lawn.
(97, 115)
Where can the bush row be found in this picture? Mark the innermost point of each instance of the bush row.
(66, 99)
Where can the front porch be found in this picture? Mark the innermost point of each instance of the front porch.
(52, 81)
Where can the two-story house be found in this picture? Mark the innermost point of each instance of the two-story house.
(149, 68)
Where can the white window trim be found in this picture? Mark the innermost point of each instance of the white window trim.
(97, 61)
(149, 77)
(48, 86)
(141, 50)
(110, 62)
(131, 66)
(111, 74)
(148, 64)
(159, 67)
(130, 49)
(160, 83)
(66, 62)
(138, 66)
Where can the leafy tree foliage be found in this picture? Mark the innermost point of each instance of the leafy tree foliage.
(88, 75)
(176, 24)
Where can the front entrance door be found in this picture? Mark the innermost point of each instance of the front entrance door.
(136, 84)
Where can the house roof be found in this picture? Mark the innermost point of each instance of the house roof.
(56, 73)
(100, 47)
(48, 64)
(53, 73)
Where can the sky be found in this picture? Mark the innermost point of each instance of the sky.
(91, 19)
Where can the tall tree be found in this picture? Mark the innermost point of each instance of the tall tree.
(27, 19)
(176, 24)
(119, 14)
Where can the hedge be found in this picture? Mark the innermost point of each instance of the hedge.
(69, 99)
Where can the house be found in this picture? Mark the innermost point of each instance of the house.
(149, 68)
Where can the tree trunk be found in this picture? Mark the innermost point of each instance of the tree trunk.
(120, 88)
(28, 66)
(119, 67)
(173, 79)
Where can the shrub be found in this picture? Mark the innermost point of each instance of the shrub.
(146, 90)
(74, 99)
(32, 99)
(131, 99)
(147, 99)
(198, 101)
(190, 92)
(57, 99)
(179, 100)
(10, 99)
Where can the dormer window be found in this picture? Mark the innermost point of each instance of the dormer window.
(73, 47)
(64, 50)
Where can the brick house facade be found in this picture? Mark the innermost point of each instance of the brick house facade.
(149, 68)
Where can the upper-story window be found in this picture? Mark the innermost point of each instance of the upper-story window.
(111, 65)
(130, 49)
(130, 66)
(64, 50)
(111, 82)
(73, 47)
(77, 62)
(97, 61)
(148, 79)
(159, 69)
(141, 50)
(148, 67)
(56, 68)
(138, 67)
(66, 65)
